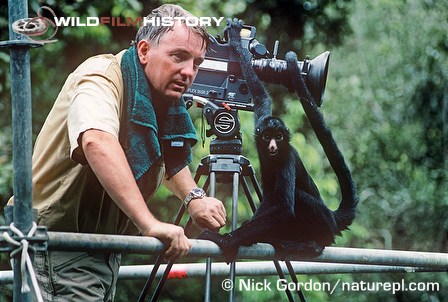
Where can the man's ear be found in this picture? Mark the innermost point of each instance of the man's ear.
(142, 50)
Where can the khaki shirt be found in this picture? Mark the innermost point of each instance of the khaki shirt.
(66, 192)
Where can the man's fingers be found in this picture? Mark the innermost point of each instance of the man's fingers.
(177, 249)
(174, 238)
(220, 219)
(219, 212)
(222, 212)
(208, 212)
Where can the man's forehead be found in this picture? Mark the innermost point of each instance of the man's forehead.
(181, 35)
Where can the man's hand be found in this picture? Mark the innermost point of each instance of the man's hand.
(207, 212)
(172, 236)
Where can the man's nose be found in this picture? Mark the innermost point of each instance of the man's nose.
(188, 70)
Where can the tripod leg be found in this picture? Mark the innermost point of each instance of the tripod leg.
(234, 226)
(150, 279)
(208, 282)
(255, 184)
(162, 281)
(168, 267)
(279, 270)
(295, 280)
(208, 262)
(248, 194)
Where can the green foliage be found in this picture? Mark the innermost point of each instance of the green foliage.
(382, 77)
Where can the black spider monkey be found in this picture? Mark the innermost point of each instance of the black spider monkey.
(292, 215)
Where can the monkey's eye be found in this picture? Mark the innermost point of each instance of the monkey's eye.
(279, 136)
(267, 137)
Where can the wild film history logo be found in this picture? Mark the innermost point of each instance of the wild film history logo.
(40, 25)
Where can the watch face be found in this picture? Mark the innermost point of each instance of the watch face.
(198, 192)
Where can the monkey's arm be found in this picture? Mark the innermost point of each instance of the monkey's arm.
(262, 101)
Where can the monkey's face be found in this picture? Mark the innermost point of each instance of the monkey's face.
(272, 138)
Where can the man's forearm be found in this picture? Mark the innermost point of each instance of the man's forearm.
(181, 184)
(108, 161)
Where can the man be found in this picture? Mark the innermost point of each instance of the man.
(117, 129)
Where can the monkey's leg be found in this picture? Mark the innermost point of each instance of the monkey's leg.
(279, 227)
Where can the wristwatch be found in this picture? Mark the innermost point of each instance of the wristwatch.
(196, 193)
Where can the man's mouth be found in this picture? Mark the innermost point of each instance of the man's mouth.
(180, 86)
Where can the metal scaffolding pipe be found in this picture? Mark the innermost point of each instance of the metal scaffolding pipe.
(6, 277)
(263, 268)
(252, 268)
(21, 124)
(203, 248)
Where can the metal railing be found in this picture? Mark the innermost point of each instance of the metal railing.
(250, 268)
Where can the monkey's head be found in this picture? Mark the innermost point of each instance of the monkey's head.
(272, 138)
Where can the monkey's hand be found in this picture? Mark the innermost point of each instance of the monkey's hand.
(223, 241)
(233, 31)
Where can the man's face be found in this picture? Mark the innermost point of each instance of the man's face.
(172, 65)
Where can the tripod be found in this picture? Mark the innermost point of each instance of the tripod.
(221, 167)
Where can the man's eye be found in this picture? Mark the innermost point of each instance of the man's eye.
(177, 56)
(197, 63)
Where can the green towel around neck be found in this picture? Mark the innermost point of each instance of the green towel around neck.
(146, 132)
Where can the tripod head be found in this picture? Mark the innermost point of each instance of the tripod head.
(224, 123)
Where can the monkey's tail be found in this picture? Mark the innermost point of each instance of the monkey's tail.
(346, 211)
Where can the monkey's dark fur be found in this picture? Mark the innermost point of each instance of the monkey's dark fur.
(292, 215)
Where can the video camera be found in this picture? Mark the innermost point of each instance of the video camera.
(222, 90)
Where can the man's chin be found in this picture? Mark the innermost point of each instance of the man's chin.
(169, 96)
(174, 95)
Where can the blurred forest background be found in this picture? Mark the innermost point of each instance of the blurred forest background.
(386, 103)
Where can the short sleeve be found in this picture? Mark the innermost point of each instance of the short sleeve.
(95, 102)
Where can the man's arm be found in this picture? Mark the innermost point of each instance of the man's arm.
(207, 212)
(108, 161)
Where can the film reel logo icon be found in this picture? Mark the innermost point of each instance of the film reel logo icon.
(37, 26)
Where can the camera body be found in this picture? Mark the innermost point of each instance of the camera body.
(220, 78)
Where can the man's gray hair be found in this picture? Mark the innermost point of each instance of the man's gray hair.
(153, 33)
